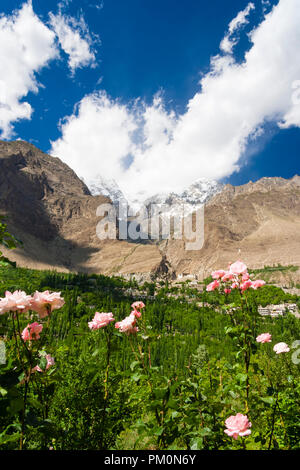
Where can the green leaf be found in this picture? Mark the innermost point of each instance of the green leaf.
(43, 363)
(196, 443)
(158, 431)
(228, 329)
(268, 400)
(160, 392)
(137, 376)
(205, 432)
(21, 377)
(241, 377)
(3, 391)
(172, 404)
(134, 364)
(5, 438)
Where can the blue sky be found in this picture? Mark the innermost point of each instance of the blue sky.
(138, 67)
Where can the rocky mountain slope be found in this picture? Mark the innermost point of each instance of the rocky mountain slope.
(257, 222)
(54, 213)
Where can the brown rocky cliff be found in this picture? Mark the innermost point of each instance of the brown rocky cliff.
(41, 197)
(53, 213)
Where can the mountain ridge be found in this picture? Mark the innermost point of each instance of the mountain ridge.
(54, 213)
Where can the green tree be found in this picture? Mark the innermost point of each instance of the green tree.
(7, 240)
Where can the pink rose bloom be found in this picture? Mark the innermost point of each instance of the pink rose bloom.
(264, 338)
(246, 285)
(100, 320)
(237, 425)
(45, 302)
(227, 291)
(245, 277)
(19, 301)
(238, 268)
(137, 306)
(32, 331)
(218, 274)
(228, 276)
(127, 325)
(234, 285)
(136, 313)
(281, 348)
(258, 283)
(212, 286)
(50, 362)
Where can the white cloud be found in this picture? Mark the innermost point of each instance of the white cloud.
(168, 152)
(158, 124)
(228, 42)
(292, 116)
(27, 46)
(101, 132)
(74, 39)
(241, 18)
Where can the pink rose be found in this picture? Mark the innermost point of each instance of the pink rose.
(218, 274)
(32, 332)
(227, 291)
(281, 348)
(257, 284)
(246, 285)
(136, 313)
(45, 302)
(245, 277)
(101, 320)
(237, 425)
(238, 268)
(264, 338)
(228, 276)
(137, 306)
(127, 325)
(18, 301)
(212, 286)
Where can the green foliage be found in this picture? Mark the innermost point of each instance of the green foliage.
(171, 387)
(7, 240)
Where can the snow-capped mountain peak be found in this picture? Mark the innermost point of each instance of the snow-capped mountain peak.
(166, 204)
(106, 187)
(196, 194)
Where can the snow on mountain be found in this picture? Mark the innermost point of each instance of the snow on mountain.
(106, 187)
(160, 207)
(193, 197)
